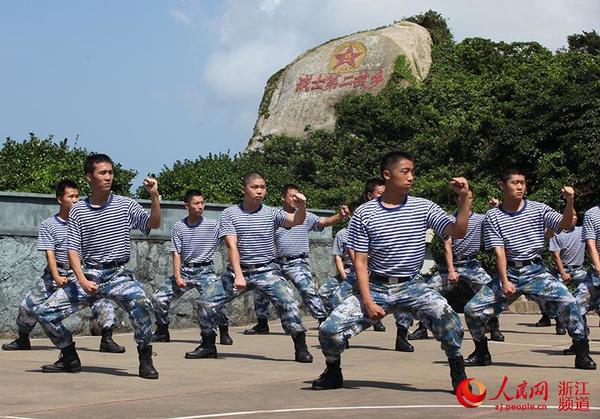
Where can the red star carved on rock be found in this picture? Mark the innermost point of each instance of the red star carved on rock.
(347, 57)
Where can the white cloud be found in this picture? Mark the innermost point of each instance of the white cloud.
(180, 16)
(269, 6)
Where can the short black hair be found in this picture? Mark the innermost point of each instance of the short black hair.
(92, 160)
(393, 157)
(287, 187)
(191, 193)
(370, 187)
(510, 172)
(250, 176)
(59, 188)
(353, 205)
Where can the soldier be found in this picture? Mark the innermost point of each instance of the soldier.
(388, 235)
(515, 231)
(249, 232)
(568, 252)
(587, 293)
(291, 245)
(99, 231)
(461, 264)
(193, 242)
(52, 238)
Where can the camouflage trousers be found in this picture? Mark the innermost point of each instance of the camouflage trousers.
(348, 287)
(116, 284)
(102, 310)
(268, 280)
(587, 293)
(298, 273)
(471, 272)
(536, 283)
(195, 278)
(350, 318)
(578, 277)
(327, 290)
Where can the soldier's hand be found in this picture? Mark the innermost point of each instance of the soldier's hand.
(90, 287)
(566, 277)
(460, 186)
(452, 277)
(180, 282)
(60, 281)
(299, 200)
(374, 311)
(239, 283)
(151, 185)
(567, 192)
(344, 211)
(494, 202)
(508, 289)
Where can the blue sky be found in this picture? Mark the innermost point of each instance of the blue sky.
(151, 82)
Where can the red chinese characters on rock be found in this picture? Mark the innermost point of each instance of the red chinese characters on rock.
(365, 80)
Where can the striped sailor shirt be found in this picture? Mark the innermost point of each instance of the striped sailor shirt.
(195, 242)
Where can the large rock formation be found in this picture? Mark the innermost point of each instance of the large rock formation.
(302, 96)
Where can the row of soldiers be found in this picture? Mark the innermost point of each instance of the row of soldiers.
(87, 245)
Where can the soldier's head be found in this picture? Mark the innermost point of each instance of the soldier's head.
(254, 187)
(373, 189)
(194, 202)
(67, 193)
(471, 191)
(398, 171)
(513, 184)
(98, 170)
(287, 196)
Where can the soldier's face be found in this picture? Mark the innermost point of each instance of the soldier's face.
(255, 189)
(288, 198)
(102, 178)
(401, 175)
(69, 198)
(514, 188)
(377, 192)
(195, 206)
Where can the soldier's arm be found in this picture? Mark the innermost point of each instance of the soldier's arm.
(234, 261)
(336, 218)
(560, 267)
(374, 312)
(501, 264)
(339, 265)
(449, 260)
(56, 276)
(593, 254)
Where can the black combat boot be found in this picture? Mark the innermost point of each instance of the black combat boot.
(560, 328)
(207, 348)
(261, 328)
(379, 327)
(331, 378)
(457, 371)
(583, 361)
(162, 333)
(21, 343)
(147, 369)
(68, 361)
(495, 333)
(570, 350)
(224, 338)
(402, 344)
(107, 344)
(300, 348)
(481, 355)
(544, 321)
(419, 333)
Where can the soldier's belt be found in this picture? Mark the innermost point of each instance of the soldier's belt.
(463, 258)
(106, 265)
(291, 258)
(388, 280)
(521, 263)
(248, 267)
(64, 266)
(197, 264)
(573, 267)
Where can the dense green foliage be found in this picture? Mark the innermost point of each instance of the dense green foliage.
(483, 107)
(36, 165)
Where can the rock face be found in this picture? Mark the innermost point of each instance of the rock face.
(301, 97)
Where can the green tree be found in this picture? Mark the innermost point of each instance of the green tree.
(36, 165)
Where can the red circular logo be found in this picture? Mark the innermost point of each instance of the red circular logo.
(465, 396)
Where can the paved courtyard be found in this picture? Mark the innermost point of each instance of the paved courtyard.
(257, 377)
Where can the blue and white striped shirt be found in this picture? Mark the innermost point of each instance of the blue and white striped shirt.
(591, 225)
(294, 241)
(471, 244)
(195, 243)
(571, 246)
(340, 246)
(255, 231)
(394, 238)
(521, 233)
(52, 235)
(103, 234)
